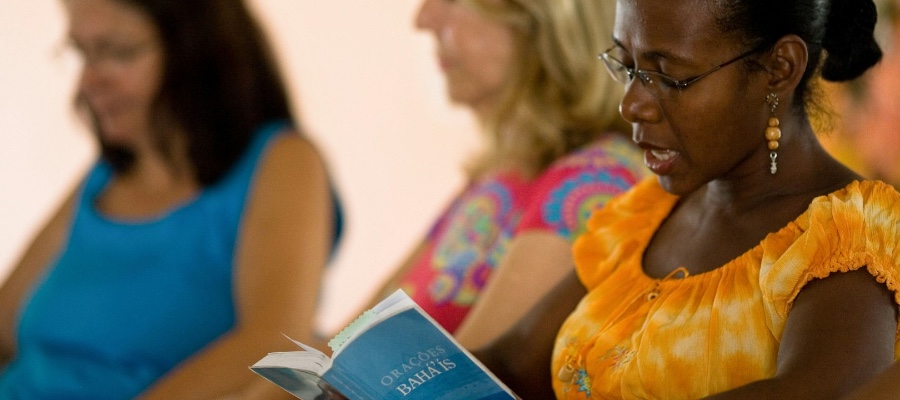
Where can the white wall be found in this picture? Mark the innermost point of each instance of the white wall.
(42, 148)
(366, 86)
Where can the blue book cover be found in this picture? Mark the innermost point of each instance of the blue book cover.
(395, 351)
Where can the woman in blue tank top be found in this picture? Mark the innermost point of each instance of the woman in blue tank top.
(199, 235)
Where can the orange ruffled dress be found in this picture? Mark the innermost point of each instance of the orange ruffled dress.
(635, 337)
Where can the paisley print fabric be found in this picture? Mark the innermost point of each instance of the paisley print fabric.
(471, 237)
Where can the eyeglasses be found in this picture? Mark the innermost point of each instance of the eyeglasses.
(660, 85)
(109, 58)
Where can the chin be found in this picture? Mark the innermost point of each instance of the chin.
(456, 97)
(675, 186)
(117, 134)
(666, 183)
(464, 95)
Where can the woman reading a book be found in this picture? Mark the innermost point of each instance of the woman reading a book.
(196, 238)
(754, 265)
(554, 152)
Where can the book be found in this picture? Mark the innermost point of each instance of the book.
(392, 351)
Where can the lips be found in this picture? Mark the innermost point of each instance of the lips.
(660, 161)
(444, 60)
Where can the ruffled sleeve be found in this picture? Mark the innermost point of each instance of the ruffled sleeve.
(617, 233)
(853, 228)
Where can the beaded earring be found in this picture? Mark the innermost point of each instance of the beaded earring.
(773, 132)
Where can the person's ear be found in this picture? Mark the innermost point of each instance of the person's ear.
(786, 63)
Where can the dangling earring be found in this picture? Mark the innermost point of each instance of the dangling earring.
(773, 132)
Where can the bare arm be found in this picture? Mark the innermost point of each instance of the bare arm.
(885, 387)
(393, 283)
(389, 286)
(534, 264)
(521, 358)
(839, 334)
(283, 245)
(34, 262)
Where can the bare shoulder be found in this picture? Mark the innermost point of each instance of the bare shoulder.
(845, 325)
(291, 166)
(291, 183)
(293, 150)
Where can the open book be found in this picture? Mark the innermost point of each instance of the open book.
(393, 351)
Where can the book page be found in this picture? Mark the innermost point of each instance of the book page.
(299, 372)
(299, 360)
(302, 384)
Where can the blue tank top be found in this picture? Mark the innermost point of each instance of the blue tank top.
(127, 301)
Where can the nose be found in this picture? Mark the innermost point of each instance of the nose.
(638, 105)
(91, 79)
(430, 14)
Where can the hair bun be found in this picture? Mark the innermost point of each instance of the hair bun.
(849, 40)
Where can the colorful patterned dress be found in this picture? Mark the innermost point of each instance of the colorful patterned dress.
(635, 337)
(468, 241)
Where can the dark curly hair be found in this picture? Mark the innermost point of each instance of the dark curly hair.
(839, 34)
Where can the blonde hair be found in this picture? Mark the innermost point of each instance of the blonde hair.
(558, 97)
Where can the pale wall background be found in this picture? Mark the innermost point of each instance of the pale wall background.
(366, 86)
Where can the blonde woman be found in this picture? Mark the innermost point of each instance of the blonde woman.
(553, 153)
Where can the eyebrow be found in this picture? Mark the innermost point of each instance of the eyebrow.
(104, 41)
(657, 54)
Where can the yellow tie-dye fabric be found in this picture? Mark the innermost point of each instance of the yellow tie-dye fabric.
(635, 337)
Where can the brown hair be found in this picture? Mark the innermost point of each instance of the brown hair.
(220, 83)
